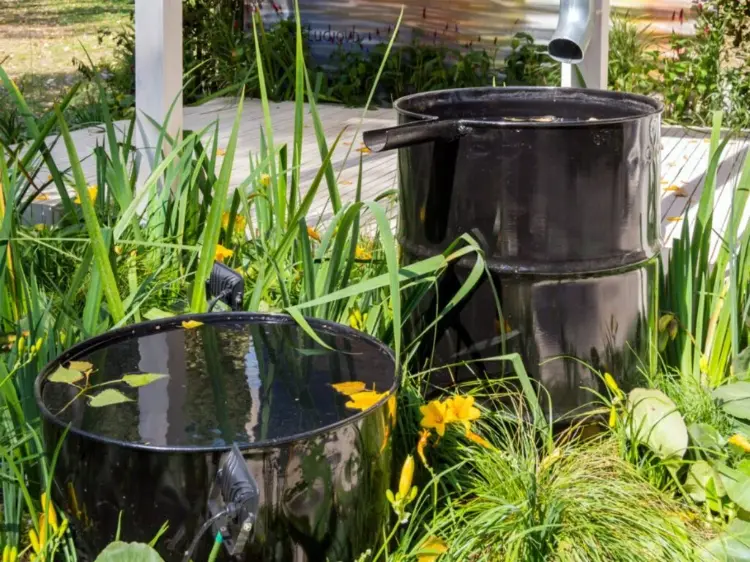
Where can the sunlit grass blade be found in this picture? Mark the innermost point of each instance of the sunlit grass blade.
(213, 224)
(101, 251)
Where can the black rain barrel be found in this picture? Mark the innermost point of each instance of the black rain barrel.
(247, 418)
(560, 188)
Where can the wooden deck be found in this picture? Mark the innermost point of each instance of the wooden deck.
(683, 166)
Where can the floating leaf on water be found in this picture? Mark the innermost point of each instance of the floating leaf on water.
(107, 398)
(67, 376)
(656, 422)
(142, 379)
(349, 387)
(190, 324)
(364, 400)
(82, 366)
(674, 219)
(128, 552)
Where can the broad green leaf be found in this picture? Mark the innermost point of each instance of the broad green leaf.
(741, 365)
(67, 376)
(735, 399)
(705, 437)
(107, 398)
(128, 552)
(656, 422)
(142, 379)
(703, 483)
(728, 549)
(737, 484)
(81, 366)
(733, 545)
(157, 314)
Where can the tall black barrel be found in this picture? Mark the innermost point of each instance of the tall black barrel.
(560, 188)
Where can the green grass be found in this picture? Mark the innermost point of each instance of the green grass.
(39, 40)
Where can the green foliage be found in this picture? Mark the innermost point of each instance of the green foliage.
(418, 67)
(700, 73)
(633, 59)
(527, 495)
(528, 64)
(692, 433)
(128, 552)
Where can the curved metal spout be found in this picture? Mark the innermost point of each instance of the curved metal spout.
(574, 30)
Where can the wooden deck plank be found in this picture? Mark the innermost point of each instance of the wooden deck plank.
(684, 156)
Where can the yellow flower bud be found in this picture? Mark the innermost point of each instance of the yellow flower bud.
(21, 345)
(407, 474)
(34, 540)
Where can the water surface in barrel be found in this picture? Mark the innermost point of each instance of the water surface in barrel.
(220, 383)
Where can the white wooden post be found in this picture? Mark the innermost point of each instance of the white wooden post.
(158, 73)
(596, 58)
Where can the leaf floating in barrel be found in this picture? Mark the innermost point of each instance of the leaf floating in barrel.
(674, 219)
(349, 387)
(142, 379)
(67, 376)
(81, 366)
(364, 400)
(108, 398)
(190, 324)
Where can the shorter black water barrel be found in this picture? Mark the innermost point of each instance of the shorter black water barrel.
(241, 413)
(560, 188)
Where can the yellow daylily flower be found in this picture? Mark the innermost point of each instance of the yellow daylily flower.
(41, 197)
(190, 324)
(463, 410)
(220, 152)
(222, 253)
(424, 437)
(239, 222)
(479, 440)
(312, 233)
(357, 319)
(349, 387)
(93, 190)
(361, 253)
(364, 400)
(431, 550)
(740, 441)
(436, 415)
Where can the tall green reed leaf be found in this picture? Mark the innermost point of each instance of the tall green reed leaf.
(101, 251)
(213, 225)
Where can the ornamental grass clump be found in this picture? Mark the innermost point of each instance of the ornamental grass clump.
(577, 502)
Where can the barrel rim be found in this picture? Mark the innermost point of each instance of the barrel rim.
(208, 318)
(656, 107)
